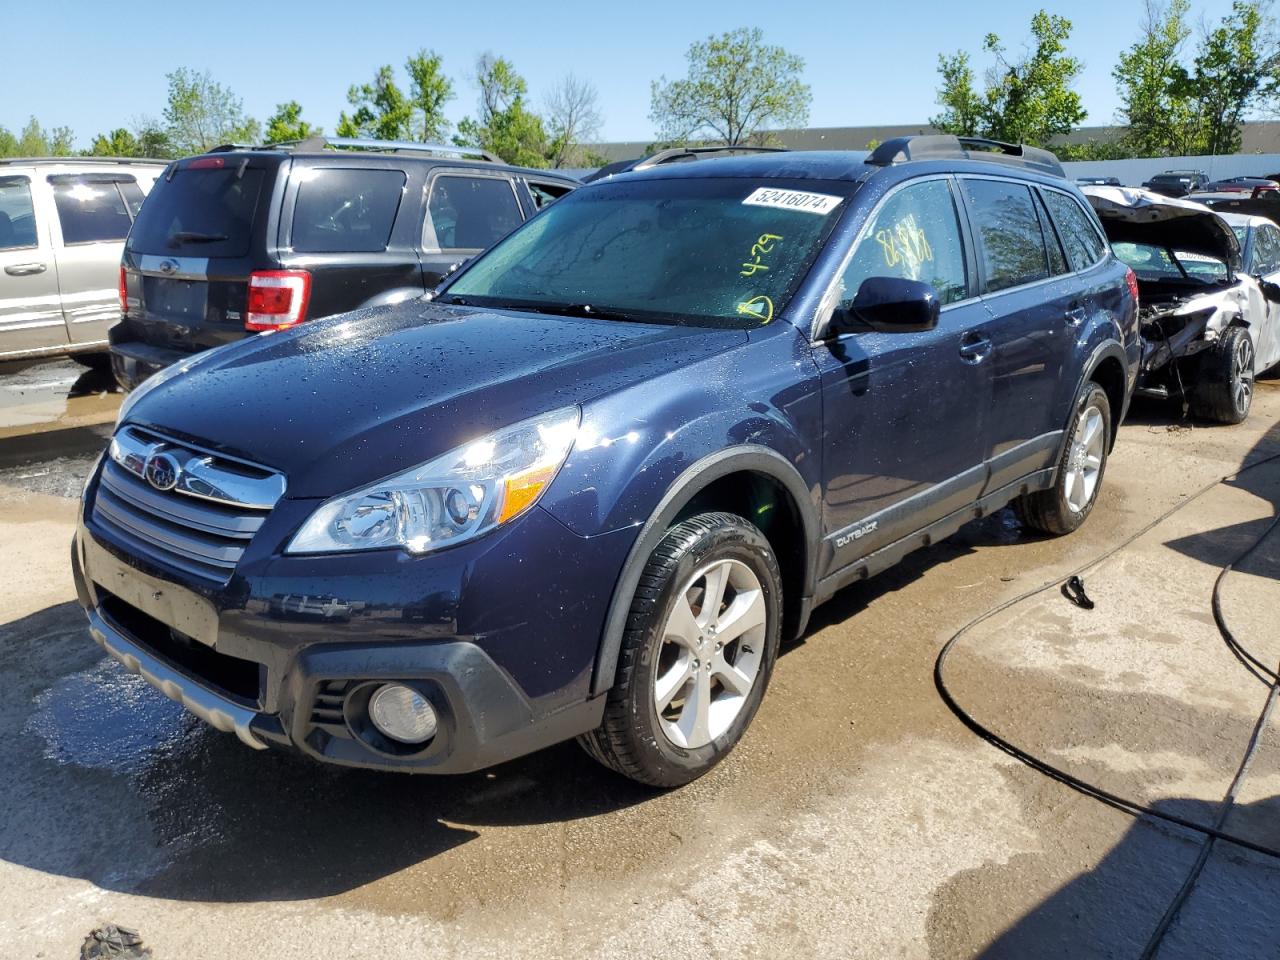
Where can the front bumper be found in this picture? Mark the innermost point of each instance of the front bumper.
(283, 655)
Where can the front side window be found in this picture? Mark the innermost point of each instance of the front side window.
(470, 213)
(1084, 246)
(17, 215)
(1266, 256)
(90, 209)
(915, 235)
(1010, 239)
(697, 251)
(345, 211)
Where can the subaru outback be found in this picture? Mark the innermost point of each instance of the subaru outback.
(588, 487)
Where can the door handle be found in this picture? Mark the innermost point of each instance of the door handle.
(974, 347)
(25, 269)
(1075, 315)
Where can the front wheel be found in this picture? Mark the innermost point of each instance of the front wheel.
(1224, 390)
(700, 643)
(1065, 506)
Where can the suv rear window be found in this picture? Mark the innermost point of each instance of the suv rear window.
(470, 213)
(200, 212)
(94, 209)
(345, 211)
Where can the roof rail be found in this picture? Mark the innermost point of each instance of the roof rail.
(947, 147)
(13, 161)
(673, 155)
(385, 146)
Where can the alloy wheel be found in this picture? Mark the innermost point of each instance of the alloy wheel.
(1084, 465)
(1242, 374)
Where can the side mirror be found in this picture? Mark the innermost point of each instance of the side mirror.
(889, 305)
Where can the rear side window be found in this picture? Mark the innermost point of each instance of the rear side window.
(1011, 242)
(346, 211)
(17, 215)
(1085, 246)
(200, 212)
(470, 213)
(92, 209)
(915, 235)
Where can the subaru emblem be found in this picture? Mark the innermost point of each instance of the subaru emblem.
(162, 471)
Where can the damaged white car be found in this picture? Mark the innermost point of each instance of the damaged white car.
(1209, 304)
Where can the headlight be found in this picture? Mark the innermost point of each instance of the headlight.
(451, 499)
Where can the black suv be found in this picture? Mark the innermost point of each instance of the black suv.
(242, 240)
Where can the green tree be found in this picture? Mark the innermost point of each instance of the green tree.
(1157, 106)
(573, 116)
(287, 124)
(1027, 100)
(1234, 71)
(381, 110)
(36, 141)
(736, 86)
(116, 143)
(505, 125)
(202, 113)
(429, 91)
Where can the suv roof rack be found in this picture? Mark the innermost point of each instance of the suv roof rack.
(14, 161)
(674, 155)
(379, 146)
(947, 147)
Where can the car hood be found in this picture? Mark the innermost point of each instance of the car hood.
(338, 403)
(1131, 215)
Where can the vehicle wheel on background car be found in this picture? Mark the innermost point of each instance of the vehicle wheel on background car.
(1065, 506)
(1224, 389)
(699, 645)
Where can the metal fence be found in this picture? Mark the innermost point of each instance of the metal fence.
(1135, 172)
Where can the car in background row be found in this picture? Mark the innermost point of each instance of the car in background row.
(1097, 181)
(1208, 294)
(1177, 183)
(590, 485)
(243, 240)
(1249, 185)
(63, 222)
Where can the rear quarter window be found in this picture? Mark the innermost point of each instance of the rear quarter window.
(1084, 244)
(200, 212)
(346, 210)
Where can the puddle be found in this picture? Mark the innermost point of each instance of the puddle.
(104, 718)
(53, 396)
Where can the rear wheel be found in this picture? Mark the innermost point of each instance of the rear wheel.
(1065, 506)
(700, 643)
(1224, 389)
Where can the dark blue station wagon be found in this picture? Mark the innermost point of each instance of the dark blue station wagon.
(586, 488)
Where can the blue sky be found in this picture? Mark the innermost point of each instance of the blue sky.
(92, 67)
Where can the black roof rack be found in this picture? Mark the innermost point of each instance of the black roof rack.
(947, 147)
(14, 161)
(674, 155)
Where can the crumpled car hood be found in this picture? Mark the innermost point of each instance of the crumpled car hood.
(1133, 215)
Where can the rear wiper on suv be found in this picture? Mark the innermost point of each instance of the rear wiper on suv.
(190, 236)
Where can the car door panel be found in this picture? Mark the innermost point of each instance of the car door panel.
(1267, 332)
(30, 308)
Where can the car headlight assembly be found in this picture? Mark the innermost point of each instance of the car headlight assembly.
(456, 497)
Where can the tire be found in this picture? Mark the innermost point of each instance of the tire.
(673, 658)
(94, 361)
(1224, 385)
(1067, 504)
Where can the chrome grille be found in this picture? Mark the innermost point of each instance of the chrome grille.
(202, 521)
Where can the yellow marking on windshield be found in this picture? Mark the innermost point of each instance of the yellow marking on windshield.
(757, 308)
(763, 245)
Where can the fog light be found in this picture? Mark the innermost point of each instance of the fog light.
(402, 713)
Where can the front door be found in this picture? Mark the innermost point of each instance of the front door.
(905, 414)
(30, 311)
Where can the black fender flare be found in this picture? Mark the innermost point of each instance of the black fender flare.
(683, 489)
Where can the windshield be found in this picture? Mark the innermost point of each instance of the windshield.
(1151, 262)
(199, 212)
(702, 252)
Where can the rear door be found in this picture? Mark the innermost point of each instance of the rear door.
(30, 311)
(468, 211)
(355, 229)
(202, 230)
(1265, 265)
(94, 212)
(1034, 305)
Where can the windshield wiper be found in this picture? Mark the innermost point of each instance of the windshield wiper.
(190, 236)
(574, 310)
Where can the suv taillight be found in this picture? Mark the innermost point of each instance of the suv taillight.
(277, 299)
(124, 292)
(1131, 279)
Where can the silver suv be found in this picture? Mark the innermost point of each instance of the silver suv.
(63, 222)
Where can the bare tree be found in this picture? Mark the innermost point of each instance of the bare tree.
(573, 116)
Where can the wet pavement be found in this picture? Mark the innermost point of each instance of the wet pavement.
(859, 818)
